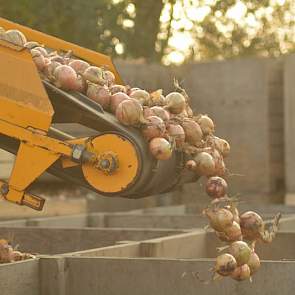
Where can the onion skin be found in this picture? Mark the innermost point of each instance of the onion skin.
(191, 165)
(154, 127)
(216, 187)
(233, 232)
(109, 77)
(65, 77)
(175, 102)
(220, 144)
(177, 133)
(58, 58)
(205, 164)
(16, 37)
(193, 132)
(160, 112)
(95, 75)
(147, 112)
(79, 66)
(141, 95)
(42, 50)
(38, 59)
(241, 251)
(252, 225)
(50, 68)
(206, 124)
(31, 44)
(253, 263)
(241, 273)
(100, 94)
(80, 84)
(117, 88)
(225, 264)
(219, 218)
(160, 148)
(116, 99)
(6, 251)
(129, 112)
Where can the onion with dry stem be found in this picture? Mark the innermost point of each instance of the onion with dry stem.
(241, 251)
(216, 187)
(100, 94)
(175, 102)
(130, 112)
(241, 273)
(153, 127)
(205, 164)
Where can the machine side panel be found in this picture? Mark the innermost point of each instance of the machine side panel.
(23, 99)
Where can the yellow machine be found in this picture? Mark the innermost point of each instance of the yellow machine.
(115, 162)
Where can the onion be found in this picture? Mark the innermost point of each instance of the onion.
(5, 253)
(116, 99)
(31, 44)
(16, 37)
(141, 95)
(154, 127)
(241, 251)
(160, 112)
(177, 133)
(219, 218)
(241, 273)
(42, 50)
(233, 232)
(129, 112)
(193, 132)
(225, 264)
(220, 168)
(216, 187)
(95, 75)
(65, 77)
(189, 111)
(253, 262)
(191, 165)
(252, 225)
(79, 66)
(206, 124)
(160, 148)
(38, 59)
(17, 256)
(81, 85)
(100, 94)
(147, 112)
(175, 102)
(220, 144)
(58, 58)
(109, 77)
(50, 68)
(234, 210)
(117, 88)
(205, 164)
(157, 98)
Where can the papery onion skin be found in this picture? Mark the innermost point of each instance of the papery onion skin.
(241, 273)
(129, 112)
(205, 164)
(100, 94)
(175, 102)
(176, 132)
(225, 264)
(79, 66)
(206, 124)
(65, 77)
(160, 148)
(252, 225)
(219, 218)
(154, 127)
(117, 88)
(253, 262)
(193, 132)
(216, 187)
(116, 99)
(241, 251)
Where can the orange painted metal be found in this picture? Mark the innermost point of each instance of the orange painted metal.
(128, 164)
